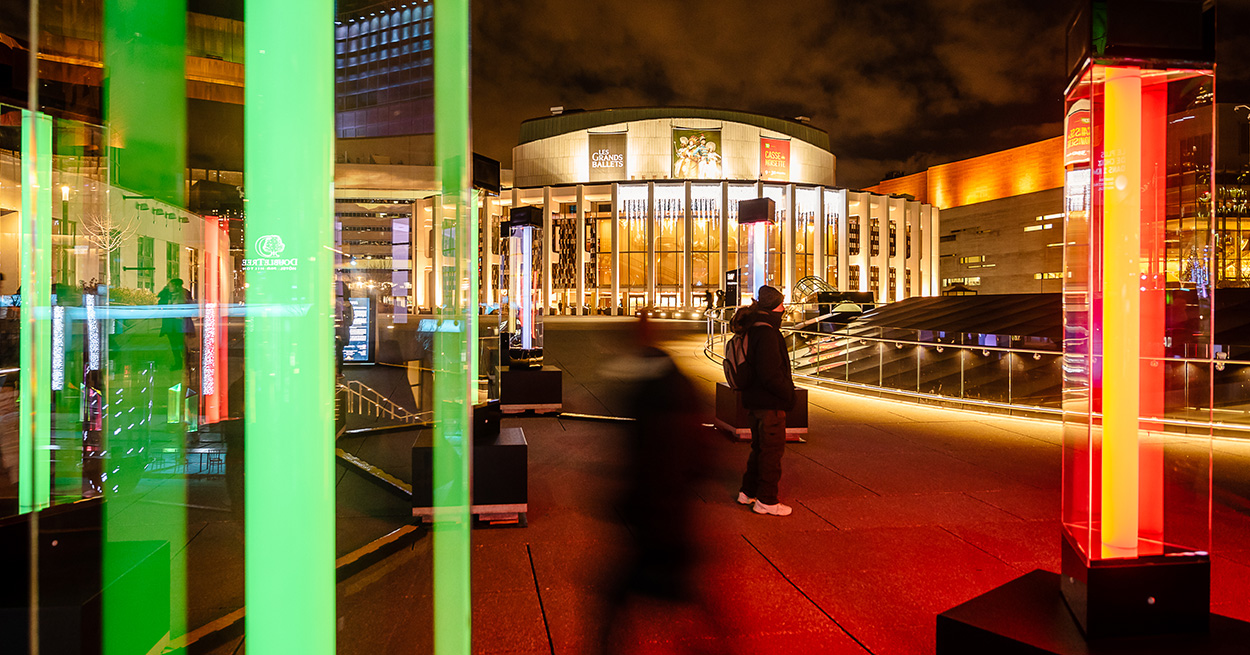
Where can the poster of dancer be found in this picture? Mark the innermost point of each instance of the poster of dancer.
(696, 154)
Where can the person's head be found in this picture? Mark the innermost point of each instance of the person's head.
(176, 283)
(769, 299)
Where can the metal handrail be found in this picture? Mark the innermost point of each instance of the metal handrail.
(369, 402)
(718, 330)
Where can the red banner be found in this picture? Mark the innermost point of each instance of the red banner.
(774, 160)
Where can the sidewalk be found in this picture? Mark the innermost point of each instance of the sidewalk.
(900, 512)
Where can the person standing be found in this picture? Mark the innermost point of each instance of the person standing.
(768, 396)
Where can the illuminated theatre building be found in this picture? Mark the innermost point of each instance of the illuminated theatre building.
(640, 210)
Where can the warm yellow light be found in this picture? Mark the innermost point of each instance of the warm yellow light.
(1121, 311)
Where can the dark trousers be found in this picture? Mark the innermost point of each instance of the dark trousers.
(768, 444)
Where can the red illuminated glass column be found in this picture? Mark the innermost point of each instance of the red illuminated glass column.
(1138, 321)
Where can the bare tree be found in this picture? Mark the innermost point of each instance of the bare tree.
(108, 233)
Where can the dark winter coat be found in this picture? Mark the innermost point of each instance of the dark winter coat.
(771, 386)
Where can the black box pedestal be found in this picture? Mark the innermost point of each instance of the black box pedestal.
(72, 583)
(1146, 595)
(735, 419)
(539, 390)
(500, 492)
(1028, 616)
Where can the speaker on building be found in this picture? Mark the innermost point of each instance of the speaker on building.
(526, 215)
(756, 210)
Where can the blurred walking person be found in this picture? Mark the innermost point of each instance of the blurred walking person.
(666, 455)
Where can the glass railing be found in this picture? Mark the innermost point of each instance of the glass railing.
(1003, 374)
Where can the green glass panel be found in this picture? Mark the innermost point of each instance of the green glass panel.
(36, 329)
(146, 106)
(289, 377)
(455, 384)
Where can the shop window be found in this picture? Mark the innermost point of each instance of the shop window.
(852, 235)
(147, 263)
(893, 240)
(892, 285)
(874, 279)
(908, 241)
(853, 277)
(173, 260)
(874, 237)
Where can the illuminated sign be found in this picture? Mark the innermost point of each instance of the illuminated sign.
(696, 154)
(607, 157)
(774, 160)
(1076, 130)
(359, 346)
(268, 248)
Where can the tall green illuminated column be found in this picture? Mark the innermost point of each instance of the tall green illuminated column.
(36, 330)
(289, 371)
(455, 361)
(145, 102)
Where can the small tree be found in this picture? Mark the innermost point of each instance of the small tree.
(108, 234)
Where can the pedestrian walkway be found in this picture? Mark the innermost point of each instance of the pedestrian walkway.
(900, 512)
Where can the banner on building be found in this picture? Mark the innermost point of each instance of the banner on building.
(774, 160)
(607, 157)
(696, 154)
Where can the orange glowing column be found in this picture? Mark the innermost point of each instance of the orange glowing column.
(1121, 311)
(1153, 312)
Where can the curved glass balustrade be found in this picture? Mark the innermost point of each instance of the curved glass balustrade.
(999, 373)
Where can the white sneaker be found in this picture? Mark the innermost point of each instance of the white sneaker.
(744, 499)
(775, 510)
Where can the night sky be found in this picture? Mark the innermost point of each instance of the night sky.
(898, 86)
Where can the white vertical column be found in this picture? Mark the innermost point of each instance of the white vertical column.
(724, 233)
(912, 209)
(651, 219)
(686, 250)
(548, 239)
(899, 261)
(880, 211)
(616, 309)
(843, 209)
(819, 265)
(789, 231)
(935, 253)
(579, 260)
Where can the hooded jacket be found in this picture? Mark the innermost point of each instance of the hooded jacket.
(772, 386)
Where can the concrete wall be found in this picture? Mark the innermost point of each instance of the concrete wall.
(1015, 245)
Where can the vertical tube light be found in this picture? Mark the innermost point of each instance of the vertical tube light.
(455, 376)
(288, 167)
(1121, 310)
(35, 424)
(522, 270)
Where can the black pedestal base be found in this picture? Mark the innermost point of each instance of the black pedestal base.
(1151, 594)
(735, 419)
(1028, 616)
(539, 390)
(500, 478)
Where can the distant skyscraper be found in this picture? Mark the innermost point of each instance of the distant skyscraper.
(384, 70)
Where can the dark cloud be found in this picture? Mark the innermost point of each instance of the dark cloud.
(899, 85)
